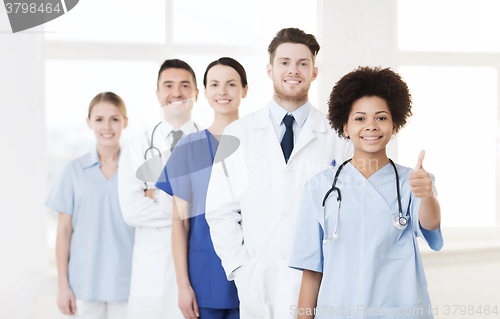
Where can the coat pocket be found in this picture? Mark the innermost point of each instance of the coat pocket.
(199, 273)
(393, 243)
(248, 280)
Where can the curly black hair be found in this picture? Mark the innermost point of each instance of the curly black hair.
(366, 82)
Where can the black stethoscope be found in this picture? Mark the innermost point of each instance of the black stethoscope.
(151, 145)
(399, 222)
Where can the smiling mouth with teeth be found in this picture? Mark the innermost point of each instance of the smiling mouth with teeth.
(177, 102)
(371, 138)
(292, 81)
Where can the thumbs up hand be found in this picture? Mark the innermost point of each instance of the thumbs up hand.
(420, 180)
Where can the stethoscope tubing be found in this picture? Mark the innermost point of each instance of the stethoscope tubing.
(399, 222)
(151, 145)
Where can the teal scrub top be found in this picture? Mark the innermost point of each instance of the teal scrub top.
(372, 270)
(100, 255)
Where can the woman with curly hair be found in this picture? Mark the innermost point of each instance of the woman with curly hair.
(358, 223)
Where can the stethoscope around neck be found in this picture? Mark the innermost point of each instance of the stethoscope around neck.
(151, 145)
(400, 222)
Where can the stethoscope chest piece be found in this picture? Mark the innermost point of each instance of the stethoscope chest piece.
(400, 222)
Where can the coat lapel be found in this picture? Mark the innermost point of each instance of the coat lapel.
(313, 125)
(264, 126)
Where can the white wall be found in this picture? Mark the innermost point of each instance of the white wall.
(22, 171)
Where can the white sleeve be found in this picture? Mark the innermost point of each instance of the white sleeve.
(223, 209)
(137, 209)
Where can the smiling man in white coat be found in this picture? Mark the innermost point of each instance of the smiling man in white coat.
(153, 291)
(254, 194)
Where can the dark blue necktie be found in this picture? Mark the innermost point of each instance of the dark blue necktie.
(287, 141)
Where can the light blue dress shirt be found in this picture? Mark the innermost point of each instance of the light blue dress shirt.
(371, 265)
(100, 256)
(277, 113)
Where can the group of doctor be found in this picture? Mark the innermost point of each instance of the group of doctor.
(114, 237)
(214, 241)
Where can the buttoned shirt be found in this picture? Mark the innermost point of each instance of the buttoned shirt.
(277, 113)
(167, 128)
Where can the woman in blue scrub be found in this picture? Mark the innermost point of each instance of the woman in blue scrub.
(204, 291)
(358, 264)
(94, 244)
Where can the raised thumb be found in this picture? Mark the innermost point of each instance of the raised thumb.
(420, 160)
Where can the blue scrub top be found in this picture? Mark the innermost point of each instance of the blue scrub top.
(100, 256)
(371, 267)
(186, 176)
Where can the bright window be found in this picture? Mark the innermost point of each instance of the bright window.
(71, 85)
(119, 21)
(238, 23)
(454, 85)
(449, 25)
(455, 121)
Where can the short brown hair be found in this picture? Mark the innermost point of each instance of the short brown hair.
(176, 64)
(109, 97)
(293, 35)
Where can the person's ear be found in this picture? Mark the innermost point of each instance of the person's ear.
(346, 133)
(88, 123)
(270, 70)
(394, 129)
(158, 95)
(245, 91)
(315, 73)
(196, 95)
(125, 122)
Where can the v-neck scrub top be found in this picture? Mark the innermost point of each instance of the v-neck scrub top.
(372, 270)
(100, 256)
(186, 176)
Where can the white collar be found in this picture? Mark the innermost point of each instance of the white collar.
(166, 128)
(300, 114)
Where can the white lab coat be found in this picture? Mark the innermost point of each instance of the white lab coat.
(254, 245)
(153, 290)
